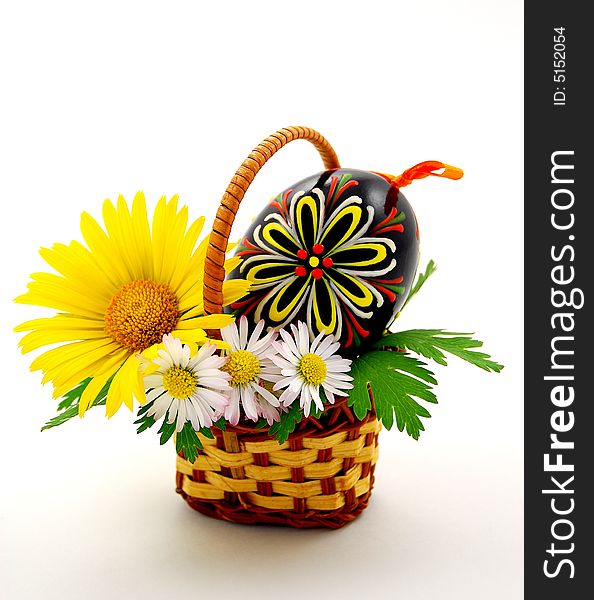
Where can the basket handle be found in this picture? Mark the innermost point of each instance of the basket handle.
(214, 268)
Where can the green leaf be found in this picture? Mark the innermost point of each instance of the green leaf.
(188, 441)
(71, 401)
(166, 430)
(432, 343)
(62, 418)
(207, 433)
(73, 396)
(421, 279)
(220, 424)
(144, 421)
(393, 380)
(288, 421)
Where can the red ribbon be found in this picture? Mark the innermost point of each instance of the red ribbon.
(422, 170)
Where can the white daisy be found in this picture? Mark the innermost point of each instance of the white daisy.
(305, 368)
(250, 367)
(184, 388)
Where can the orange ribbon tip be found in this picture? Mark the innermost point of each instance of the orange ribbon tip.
(424, 169)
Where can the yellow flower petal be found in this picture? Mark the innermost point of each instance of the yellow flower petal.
(114, 396)
(104, 252)
(182, 266)
(67, 379)
(232, 263)
(234, 289)
(142, 235)
(87, 350)
(126, 385)
(37, 339)
(91, 391)
(66, 321)
(207, 322)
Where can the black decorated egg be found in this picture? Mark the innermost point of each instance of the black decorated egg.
(338, 250)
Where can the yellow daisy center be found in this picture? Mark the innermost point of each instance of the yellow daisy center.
(140, 313)
(313, 369)
(243, 366)
(179, 382)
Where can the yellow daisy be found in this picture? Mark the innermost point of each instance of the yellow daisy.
(117, 296)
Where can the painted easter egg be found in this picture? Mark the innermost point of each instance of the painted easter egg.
(338, 250)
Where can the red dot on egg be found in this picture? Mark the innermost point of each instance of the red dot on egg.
(300, 271)
(317, 273)
(327, 262)
(318, 248)
(302, 254)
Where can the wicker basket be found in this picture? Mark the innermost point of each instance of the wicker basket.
(322, 475)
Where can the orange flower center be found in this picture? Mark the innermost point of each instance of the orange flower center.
(140, 313)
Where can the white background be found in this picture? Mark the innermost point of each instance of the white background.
(108, 98)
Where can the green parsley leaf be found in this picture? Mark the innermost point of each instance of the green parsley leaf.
(70, 401)
(144, 421)
(421, 279)
(432, 343)
(392, 379)
(166, 430)
(188, 441)
(220, 424)
(73, 396)
(288, 421)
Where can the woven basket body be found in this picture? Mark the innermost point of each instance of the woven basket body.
(323, 474)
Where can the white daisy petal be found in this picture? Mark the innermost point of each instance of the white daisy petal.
(226, 334)
(192, 415)
(303, 343)
(316, 343)
(248, 402)
(232, 409)
(181, 416)
(338, 367)
(234, 337)
(305, 400)
(263, 347)
(329, 351)
(269, 397)
(283, 363)
(154, 380)
(282, 383)
(270, 413)
(160, 407)
(185, 356)
(243, 332)
(173, 409)
(288, 397)
(253, 341)
(289, 345)
(315, 393)
(203, 413)
(332, 389)
(338, 377)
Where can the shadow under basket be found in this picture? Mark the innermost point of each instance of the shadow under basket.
(321, 476)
